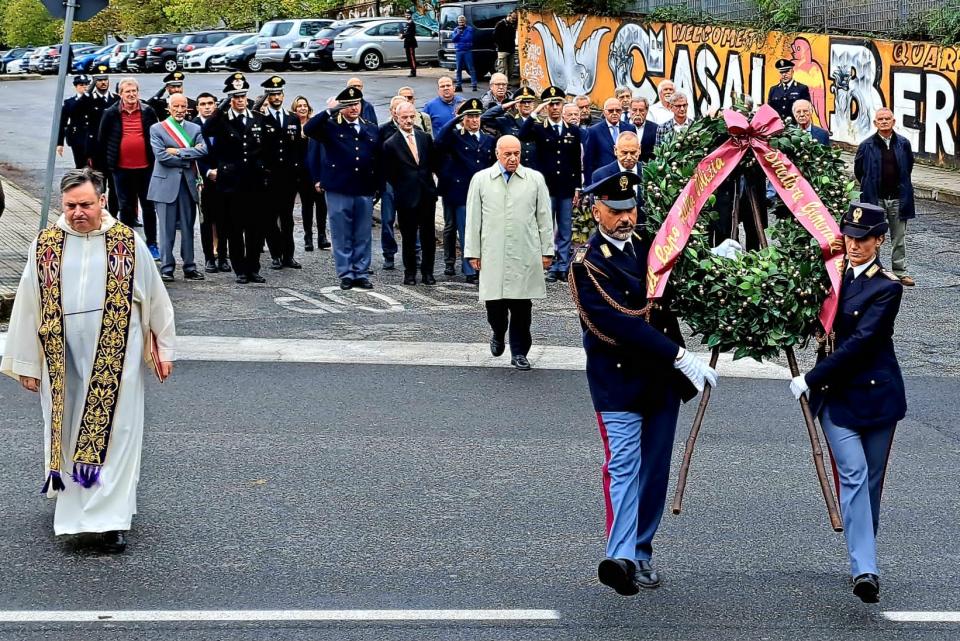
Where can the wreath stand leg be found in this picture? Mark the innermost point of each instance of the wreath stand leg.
(817, 450)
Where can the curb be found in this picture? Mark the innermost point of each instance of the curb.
(937, 195)
(13, 77)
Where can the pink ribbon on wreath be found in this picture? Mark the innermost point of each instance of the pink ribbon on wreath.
(793, 188)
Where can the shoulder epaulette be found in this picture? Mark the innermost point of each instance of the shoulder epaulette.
(580, 254)
(891, 275)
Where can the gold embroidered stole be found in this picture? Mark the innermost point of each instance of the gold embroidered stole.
(102, 394)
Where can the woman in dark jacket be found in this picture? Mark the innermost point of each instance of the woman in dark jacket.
(858, 389)
(311, 193)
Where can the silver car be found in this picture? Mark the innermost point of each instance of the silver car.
(278, 36)
(119, 56)
(379, 42)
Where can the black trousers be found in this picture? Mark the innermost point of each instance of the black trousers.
(312, 201)
(244, 213)
(419, 220)
(411, 59)
(132, 185)
(214, 229)
(80, 157)
(282, 197)
(515, 315)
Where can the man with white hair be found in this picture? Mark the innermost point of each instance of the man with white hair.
(680, 105)
(646, 128)
(661, 112)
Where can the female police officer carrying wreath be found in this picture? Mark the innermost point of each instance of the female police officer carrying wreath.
(858, 389)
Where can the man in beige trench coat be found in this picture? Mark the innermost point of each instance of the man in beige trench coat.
(509, 240)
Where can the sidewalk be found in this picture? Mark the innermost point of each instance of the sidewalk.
(929, 183)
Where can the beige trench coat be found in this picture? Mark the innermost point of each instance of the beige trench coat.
(509, 228)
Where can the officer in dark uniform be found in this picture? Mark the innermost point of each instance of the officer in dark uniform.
(464, 150)
(285, 151)
(235, 139)
(857, 389)
(172, 84)
(783, 94)
(75, 123)
(638, 372)
(558, 152)
(505, 119)
(352, 179)
(101, 98)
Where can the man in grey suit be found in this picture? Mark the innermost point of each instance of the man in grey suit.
(177, 144)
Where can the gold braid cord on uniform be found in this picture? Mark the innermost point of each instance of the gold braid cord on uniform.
(575, 294)
(101, 398)
(643, 313)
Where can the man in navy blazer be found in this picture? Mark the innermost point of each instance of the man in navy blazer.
(628, 153)
(803, 115)
(599, 138)
(646, 128)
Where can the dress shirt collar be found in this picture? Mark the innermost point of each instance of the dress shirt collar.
(859, 269)
(622, 168)
(619, 244)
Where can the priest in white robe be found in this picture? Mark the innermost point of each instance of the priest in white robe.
(90, 322)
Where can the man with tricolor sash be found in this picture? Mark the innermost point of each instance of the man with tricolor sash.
(90, 311)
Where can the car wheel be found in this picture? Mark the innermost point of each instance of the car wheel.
(254, 64)
(207, 66)
(296, 66)
(371, 60)
(342, 66)
(170, 65)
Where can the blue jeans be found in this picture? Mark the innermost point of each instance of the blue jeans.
(351, 225)
(460, 213)
(465, 61)
(388, 220)
(562, 232)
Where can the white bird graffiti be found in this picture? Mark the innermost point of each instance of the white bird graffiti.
(572, 69)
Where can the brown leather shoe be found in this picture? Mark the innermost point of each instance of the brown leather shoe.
(907, 281)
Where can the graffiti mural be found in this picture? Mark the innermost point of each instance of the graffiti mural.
(849, 78)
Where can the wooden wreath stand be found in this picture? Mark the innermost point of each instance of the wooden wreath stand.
(835, 522)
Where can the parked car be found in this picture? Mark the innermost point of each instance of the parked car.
(278, 36)
(33, 61)
(50, 59)
(483, 15)
(199, 40)
(162, 52)
(19, 65)
(372, 44)
(137, 60)
(242, 57)
(316, 52)
(118, 57)
(83, 63)
(199, 60)
(13, 54)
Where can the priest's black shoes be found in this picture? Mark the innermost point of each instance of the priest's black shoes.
(497, 346)
(520, 362)
(276, 263)
(618, 574)
(210, 266)
(428, 279)
(114, 542)
(867, 588)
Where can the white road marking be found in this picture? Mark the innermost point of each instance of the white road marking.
(112, 616)
(923, 617)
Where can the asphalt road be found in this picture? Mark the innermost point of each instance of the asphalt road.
(454, 490)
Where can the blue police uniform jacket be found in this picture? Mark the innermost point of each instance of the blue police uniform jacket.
(629, 360)
(860, 381)
(463, 156)
(351, 158)
(782, 98)
(598, 145)
(558, 155)
(498, 122)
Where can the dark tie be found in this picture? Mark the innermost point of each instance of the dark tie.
(628, 250)
(848, 277)
(559, 133)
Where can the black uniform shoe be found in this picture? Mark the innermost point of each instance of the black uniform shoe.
(646, 576)
(363, 283)
(618, 574)
(210, 266)
(497, 346)
(193, 275)
(308, 244)
(346, 283)
(388, 264)
(224, 266)
(449, 270)
(562, 276)
(472, 279)
(551, 277)
(242, 279)
(323, 244)
(867, 588)
(292, 264)
(114, 542)
(428, 279)
(276, 264)
(166, 277)
(256, 278)
(520, 362)
(409, 280)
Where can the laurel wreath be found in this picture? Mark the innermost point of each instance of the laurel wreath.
(761, 301)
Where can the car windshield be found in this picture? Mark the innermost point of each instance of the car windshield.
(276, 29)
(448, 17)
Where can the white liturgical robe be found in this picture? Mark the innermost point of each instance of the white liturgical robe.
(111, 503)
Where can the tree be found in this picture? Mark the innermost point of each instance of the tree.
(26, 22)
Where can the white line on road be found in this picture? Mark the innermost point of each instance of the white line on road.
(111, 616)
(923, 617)
(293, 350)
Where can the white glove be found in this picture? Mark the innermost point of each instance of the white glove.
(727, 249)
(798, 386)
(696, 370)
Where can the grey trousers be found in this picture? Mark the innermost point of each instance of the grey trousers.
(180, 213)
(898, 235)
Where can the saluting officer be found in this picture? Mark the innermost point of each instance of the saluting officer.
(352, 179)
(172, 84)
(465, 150)
(505, 119)
(285, 151)
(638, 373)
(558, 152)
(235, 140)
(75, 123)
(782, 95)
(101, 98)
(857, 389)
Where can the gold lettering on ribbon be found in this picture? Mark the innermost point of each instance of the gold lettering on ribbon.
(669, 247)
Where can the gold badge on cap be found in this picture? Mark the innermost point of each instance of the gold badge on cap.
(352, 92)
(857, 215)
(238, 76)
(275, 80)
(553, 91)
(237, 82)
(624, 183)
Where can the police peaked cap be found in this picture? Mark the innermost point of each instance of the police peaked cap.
(273, 84)
(862, 220)
(525, 94)
(616, 191)
(175, 78)
(350, 96)
(784, 65)
(552, 94)
(100, 72)
(472, 107)
(236, 85)
(81, 80)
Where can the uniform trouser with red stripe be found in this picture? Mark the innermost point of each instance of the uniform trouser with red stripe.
(636, 470)
(859, 464)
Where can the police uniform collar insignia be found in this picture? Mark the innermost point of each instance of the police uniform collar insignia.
(873, 271)
(605, 250)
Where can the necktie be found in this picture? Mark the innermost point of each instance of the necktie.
(559, 131)
(848, 276)
(628, 250)
(613, 133)
(412, 144)
(506, 176)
